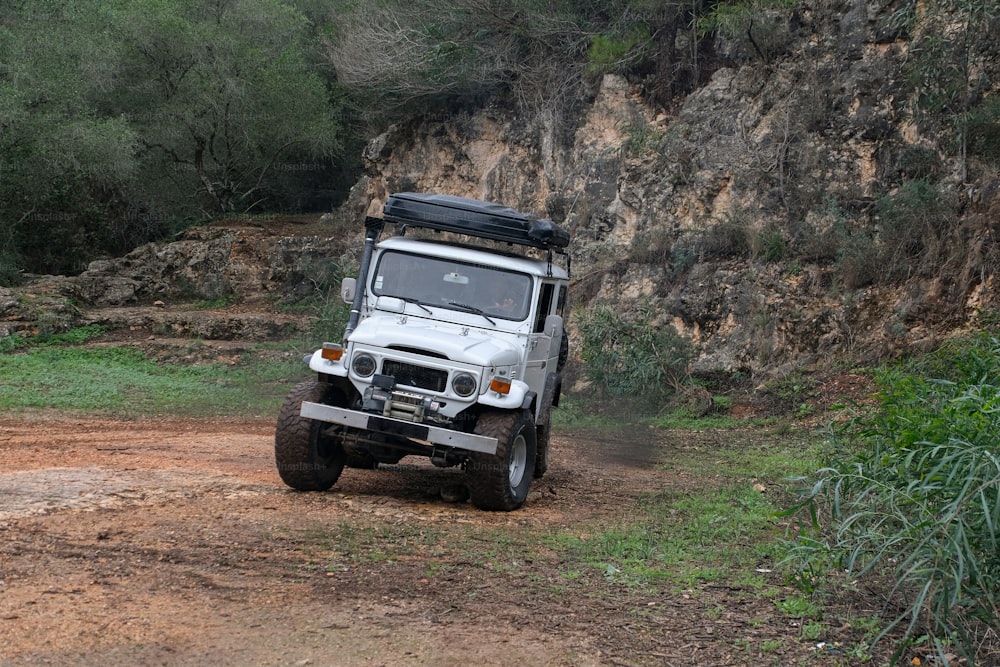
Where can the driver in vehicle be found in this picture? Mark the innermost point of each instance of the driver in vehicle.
(505, 302)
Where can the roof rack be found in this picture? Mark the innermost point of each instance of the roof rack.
(473, 218)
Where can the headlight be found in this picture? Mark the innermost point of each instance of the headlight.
(464, 384)
(363, 364)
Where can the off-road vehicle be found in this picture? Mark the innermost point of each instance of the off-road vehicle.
(453, 351)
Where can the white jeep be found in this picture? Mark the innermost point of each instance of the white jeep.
(453, 351)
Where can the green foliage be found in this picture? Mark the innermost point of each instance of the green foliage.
(12, 342)
(788, 394)
(75, 336)
(729, 237)
(984, 131)
(913, 491)
(912, 236)
(949, 60)
(758, 22)
(432, 57)
(124, 120)
(632, 357)
(612, 52)
(577, 412)
(681, 419)
(222, 94)
(651, 247)
(918, 162)
(61, 161)
(769, 245)
(798, 607)
(327, 310)
(733, 236)
(642, 139)
(10, 275)
(913, 222)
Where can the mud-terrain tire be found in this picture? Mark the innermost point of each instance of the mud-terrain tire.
(500, 482)
(542, 433)
(307, 460)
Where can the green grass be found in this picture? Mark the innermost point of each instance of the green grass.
(719, 532)
(124, 383)
(217, 302)
(684, 420)
(77, 336)
(768, 459)
(682, 541)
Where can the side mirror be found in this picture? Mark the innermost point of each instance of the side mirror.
(348, 289)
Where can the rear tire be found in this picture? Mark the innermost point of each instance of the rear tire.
(307, 459)
(500, 482)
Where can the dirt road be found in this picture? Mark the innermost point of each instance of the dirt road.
(175, 543)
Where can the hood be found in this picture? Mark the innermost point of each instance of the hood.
(475, 347)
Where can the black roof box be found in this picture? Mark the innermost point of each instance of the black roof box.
(474, 218)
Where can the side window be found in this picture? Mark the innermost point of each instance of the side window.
(544, 306)
(561, 305)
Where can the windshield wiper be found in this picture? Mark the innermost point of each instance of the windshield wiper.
(472, 309)
(410, 299)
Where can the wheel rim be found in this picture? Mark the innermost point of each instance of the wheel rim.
(325, 449)
(518, 460)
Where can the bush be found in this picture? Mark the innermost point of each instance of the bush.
(759, 23)
(635, 359)
(612, 53)
(984, 131)
(919, 503)
(318, 294)
(729, 237)
(914, 223)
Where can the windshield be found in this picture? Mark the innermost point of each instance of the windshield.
(453, 285)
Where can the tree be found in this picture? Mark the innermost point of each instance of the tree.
(222, 97)
(60, 161)
(952, 61)
(416, 53)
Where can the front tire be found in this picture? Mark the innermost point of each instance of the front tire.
(500, 482)
(307, 459)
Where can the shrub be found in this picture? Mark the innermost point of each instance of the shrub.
(612, 53)
(768, 245)
(757, 22)
(913, 225)
(984, 131)
(632, 358)
(919, 502)
(318, 293)
(729, 237)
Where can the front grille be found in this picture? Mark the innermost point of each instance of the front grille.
(431, 379)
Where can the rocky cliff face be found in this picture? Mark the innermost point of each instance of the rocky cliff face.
(224, 282)
(795, 152)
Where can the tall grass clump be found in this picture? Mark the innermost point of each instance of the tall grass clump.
(913, 504)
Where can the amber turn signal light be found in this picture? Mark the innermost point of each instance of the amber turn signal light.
(332, 352)
(500, 385)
